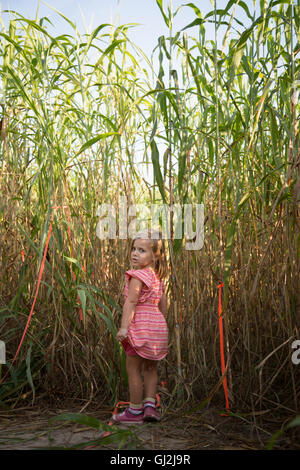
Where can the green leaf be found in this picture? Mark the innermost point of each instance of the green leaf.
(294, 422)
(160, 6)
(166, 159)
(82, 297)
(237, 57)
(94, 34)
(162, 43)
(196, 22)
(157, 170)
(277, 434)
(108, 319)
(73, 260)
(22, 90)
(244, 199)
(28, 370)
(14, 43)
(63, 16)
(181, 170)
(112, 46)
(240, 4)
(193, 6)
(92, 141)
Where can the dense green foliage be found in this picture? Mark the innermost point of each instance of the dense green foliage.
(82, 118)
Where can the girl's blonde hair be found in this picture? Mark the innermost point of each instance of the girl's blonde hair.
(158, 248)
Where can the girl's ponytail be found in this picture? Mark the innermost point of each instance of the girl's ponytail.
(159, 249)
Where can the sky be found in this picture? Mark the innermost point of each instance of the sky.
(88, 14)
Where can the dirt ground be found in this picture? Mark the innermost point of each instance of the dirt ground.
(30, 428)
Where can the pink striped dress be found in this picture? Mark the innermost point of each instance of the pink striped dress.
(148, 331)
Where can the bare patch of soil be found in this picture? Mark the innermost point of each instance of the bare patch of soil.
(29, 428)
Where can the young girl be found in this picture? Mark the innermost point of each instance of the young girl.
(144, 332)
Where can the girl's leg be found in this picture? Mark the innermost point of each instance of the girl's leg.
(134, 413)
(150, 381)
(150, 378)
(133, 366)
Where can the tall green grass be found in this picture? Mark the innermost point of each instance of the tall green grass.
(218, 124)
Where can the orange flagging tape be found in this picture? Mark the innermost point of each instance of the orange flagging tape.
(222, 347)
(38, 284)
(35, 297)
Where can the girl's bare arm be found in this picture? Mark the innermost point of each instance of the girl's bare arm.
(134, 290)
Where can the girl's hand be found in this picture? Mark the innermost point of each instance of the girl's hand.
(122, 334)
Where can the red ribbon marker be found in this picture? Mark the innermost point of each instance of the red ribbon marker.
(38, 284)
(222, 348)
(35, 297)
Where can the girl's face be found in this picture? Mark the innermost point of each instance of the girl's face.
(142, 255)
